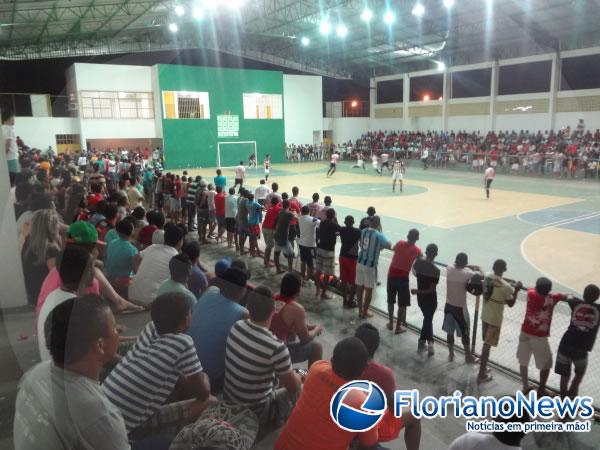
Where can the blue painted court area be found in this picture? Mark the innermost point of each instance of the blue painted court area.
(371, 190)
(591, 224)
(578, 218)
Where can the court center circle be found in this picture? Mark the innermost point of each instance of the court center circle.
(372, 190)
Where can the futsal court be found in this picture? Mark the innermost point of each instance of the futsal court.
(540, 227)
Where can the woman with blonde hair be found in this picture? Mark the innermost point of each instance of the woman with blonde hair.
(39, 252)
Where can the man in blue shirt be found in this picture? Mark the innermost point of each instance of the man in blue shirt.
(220, 180)
(118, 257)
(214, 315)
(370, 245)
(255, 210)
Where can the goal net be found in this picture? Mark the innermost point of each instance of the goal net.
(229, 154)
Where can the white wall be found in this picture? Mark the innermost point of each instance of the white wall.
(591, 119)
(117, 128)
(387, 124)
(347, 128)
(40, 132)
(40, 105)
(424, 123)
(113, 77)
(469, 123)
(531, 122)
(302, 107)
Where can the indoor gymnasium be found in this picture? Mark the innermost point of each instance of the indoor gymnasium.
(300, 225)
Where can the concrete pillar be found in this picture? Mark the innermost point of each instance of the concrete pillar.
(554, 88)
(445, 95)
(494, 94)
(405, 101)
(11, 273)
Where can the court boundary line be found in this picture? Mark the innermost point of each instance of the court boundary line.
(553, 225)
(521, 219)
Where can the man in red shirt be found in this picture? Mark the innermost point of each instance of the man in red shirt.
(220, 212)
(536, 330)
(310, 424)
(405, 254)
(269, 228)
(383, 376)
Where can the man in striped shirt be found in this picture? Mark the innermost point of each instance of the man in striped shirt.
(254, 358)
(191, 202)
(370, 245)
(162, 357)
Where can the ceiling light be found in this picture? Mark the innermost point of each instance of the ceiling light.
(389, 17)
(448, 3)
(198, 12)
(366, 15)
(441, 66)
(418, 10)
(179, 10)
(173, 27)
(426, 98)
(354, 103)
(305, 41)
(325, 27)
(341, 30)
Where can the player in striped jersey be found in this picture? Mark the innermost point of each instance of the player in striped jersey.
(267, 166)
(397, 174)
(162, 357)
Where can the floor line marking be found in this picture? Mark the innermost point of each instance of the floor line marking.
(563, 222)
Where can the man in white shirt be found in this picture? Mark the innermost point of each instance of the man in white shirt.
(333, 163)
(261, 192)
(82, 162)
(488, 177)
(10, 146)
(240, 175)
(307, 242)
(385, 162)
(151, 267)
(60, 403)
(456, 314)
(75, 269)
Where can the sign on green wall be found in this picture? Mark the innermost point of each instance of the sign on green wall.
(193, 99)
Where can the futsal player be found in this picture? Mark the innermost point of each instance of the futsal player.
(333, 163)
(397, 174)
(267, 166)
(240, 176)
(360, 163)
(385, 162)
(375, 162)
(488, 177)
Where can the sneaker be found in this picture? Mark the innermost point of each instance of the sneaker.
(430, 351)
(421, 346)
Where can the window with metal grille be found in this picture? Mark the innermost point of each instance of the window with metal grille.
(263, 106)
(185, 105)
(116, 105)
(67, 139)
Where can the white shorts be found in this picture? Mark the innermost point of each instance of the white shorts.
(366, 276)
(536, 345)
(267, 171)
(397, 176)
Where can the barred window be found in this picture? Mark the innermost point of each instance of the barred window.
(67, 139)
(263, 106)
(116, 105)
(185, 105)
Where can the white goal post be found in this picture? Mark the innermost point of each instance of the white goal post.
(245, 157)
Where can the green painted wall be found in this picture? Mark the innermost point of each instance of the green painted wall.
(193, 142)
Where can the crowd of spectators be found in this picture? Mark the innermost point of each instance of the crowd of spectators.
(213, 366)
